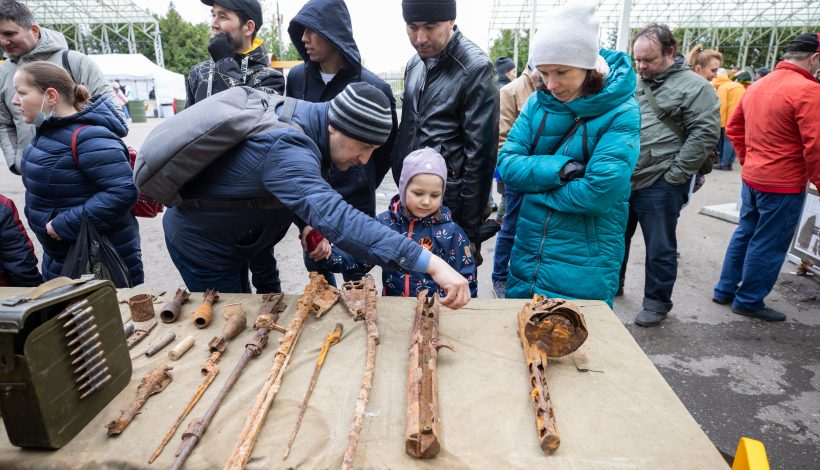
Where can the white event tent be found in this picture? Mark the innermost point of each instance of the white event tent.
(141, 75)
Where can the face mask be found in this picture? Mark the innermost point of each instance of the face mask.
(40, 117)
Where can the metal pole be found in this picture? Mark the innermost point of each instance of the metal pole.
(279, 31)
(515, 49)
(623, 27)
(533, 19)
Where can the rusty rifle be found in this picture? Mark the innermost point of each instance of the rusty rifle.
(317, 299)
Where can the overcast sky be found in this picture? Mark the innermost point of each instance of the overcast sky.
(378, 26)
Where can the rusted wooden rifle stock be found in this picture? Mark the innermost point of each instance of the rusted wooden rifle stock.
(422, 427)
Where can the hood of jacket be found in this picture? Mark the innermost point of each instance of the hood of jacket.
(502, 79)
(399, 214)
(331, 20)
(49, 43)
(720, 80)
(100, 112)
(619, 86)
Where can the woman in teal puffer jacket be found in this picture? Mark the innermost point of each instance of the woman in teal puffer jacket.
(575, 175)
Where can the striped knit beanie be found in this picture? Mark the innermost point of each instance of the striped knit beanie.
(361, 112)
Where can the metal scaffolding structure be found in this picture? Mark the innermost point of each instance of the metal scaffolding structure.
(100, 26)
(754, 30)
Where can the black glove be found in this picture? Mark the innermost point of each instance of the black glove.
(221, 47)
(700, 180)
(572, 170)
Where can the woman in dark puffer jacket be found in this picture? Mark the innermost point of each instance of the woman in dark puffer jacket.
(60, 190)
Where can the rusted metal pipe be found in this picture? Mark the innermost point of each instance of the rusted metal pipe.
(164, 341)
(170, 311)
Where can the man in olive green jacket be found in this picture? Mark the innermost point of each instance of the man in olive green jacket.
(675, 144)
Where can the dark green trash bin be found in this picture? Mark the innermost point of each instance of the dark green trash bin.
(179, 106)
(137, 110)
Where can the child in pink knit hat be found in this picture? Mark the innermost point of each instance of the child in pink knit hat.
(417, 213)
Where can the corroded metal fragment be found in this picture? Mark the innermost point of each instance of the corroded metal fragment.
(548, 328)
(155, 381)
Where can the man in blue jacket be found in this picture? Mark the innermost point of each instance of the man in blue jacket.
(323, 35)
(292, 166)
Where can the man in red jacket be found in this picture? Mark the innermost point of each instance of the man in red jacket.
(776, 133)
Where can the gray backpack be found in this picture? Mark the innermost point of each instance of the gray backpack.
(180, 148)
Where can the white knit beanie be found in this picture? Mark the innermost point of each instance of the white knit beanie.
(568, 37)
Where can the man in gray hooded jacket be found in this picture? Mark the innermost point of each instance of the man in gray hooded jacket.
(24, 41)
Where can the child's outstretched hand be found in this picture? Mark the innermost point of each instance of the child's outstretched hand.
(453, 283)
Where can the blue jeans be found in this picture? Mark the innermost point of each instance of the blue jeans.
(199, 278)
(657, 209)
(727, 152)
(758, 247)
(506, 236)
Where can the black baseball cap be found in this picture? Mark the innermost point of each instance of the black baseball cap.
(252, 8)
(809, 42)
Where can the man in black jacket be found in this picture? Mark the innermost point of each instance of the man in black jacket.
(450, 103)
(238, 57)
(323, 34)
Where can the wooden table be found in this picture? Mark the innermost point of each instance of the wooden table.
(623, 415)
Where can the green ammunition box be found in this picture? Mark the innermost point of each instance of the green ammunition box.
(49, 389)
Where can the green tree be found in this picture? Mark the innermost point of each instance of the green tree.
(504, 45)
(270, 36)
(183, 44)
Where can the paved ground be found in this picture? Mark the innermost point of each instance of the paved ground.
(737, 376)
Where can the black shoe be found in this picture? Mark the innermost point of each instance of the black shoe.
(647, 318)
(765, 314)
(722, 301)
